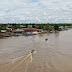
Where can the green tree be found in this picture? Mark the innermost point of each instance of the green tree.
(56, 27)
(50, 28)
(33, 25)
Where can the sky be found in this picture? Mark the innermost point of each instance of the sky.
(35, 11)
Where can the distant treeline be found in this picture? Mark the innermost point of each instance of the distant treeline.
(37, 24)
(49, 27)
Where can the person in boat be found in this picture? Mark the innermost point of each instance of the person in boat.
(32, 51)
(46, 39)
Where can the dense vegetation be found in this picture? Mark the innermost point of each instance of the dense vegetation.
(39, 26)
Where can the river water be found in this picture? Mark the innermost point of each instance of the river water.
(54, 55)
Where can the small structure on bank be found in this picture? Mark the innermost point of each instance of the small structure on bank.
(30, 31)
(4, 33)
(17, 32)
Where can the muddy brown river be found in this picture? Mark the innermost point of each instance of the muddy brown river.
(54, 55)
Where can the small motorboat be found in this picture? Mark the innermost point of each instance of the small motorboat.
(32, 51)
(46, 39)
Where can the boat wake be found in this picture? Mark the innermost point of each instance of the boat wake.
(23, 59)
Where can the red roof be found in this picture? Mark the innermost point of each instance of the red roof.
(30, 29)
(3, 34)
(17, 31)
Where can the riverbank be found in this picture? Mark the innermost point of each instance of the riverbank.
(8, 30)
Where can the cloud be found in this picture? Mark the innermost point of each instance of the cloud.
(36, 11)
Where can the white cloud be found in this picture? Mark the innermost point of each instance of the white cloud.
(36, 11)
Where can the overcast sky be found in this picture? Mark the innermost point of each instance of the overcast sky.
(35, 11)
